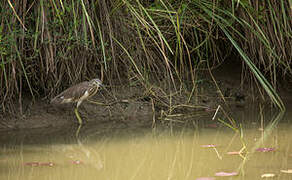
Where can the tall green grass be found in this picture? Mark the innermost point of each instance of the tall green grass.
(47, 45)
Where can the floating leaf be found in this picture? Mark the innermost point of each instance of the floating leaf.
(226, 174)
(208, 145)
(32, 164)
(77, 162)
(205, 178)
(46, 164)
(234, 153)
(265, 149)
(268, 175)
(289, 171)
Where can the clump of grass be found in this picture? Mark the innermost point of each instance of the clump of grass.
(46, 46)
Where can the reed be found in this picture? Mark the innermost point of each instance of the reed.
(47, 45)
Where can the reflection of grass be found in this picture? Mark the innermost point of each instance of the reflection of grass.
(244, 153)
(238, 130)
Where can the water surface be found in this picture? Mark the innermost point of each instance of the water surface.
(123, 153)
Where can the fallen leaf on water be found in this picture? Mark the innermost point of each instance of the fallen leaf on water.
(77, 162)
(226, 174)
(289, 171)
(46, 164)
(265, 149)
(205, 178)
(208, 145)
(268, 175)
(234, 153)
(32, 164)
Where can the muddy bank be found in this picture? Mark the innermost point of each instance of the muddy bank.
(130, 107)
(137, 106)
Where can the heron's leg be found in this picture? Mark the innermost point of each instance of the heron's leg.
(82, 108)
(78, 116)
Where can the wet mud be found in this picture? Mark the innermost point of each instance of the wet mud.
(131, 107)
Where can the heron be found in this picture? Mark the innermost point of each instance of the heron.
(77, 94)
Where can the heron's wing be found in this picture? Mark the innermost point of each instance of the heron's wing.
(72, 94)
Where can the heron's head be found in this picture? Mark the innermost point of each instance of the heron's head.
(96, 82)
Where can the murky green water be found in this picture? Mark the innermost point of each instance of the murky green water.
(144, 153)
